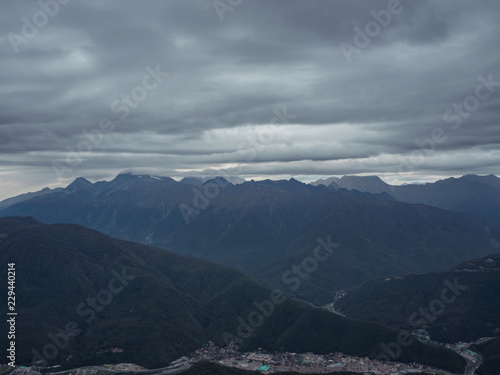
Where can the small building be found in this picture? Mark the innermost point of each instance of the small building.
(263, 368)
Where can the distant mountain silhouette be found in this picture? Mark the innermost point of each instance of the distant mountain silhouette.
(26, 196)
(475, 195)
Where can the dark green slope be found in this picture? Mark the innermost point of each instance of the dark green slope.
(491, 357)
(473, 313)
(428, 301)
(267, 237)
(60, 266)
(87, 292)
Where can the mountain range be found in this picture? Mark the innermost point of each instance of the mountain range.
(471, 194)
(270, 230)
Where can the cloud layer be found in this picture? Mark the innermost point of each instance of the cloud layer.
(406, 90)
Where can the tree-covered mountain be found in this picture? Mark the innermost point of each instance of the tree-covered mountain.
(472, 314)
(80, 293)
(267, 233)
(490, 351)
(461, 304)
(271, 229)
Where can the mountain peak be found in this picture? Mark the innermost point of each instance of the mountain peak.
(490, 179)
(195, 181)
(330, 181)
(221, 181)
(200, 180)
(126, 176)
(129, 176)
(361, 178)
(369, 184)
(80, 183)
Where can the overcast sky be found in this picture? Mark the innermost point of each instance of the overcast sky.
(255, 88)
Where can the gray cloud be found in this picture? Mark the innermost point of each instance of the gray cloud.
(226, 80)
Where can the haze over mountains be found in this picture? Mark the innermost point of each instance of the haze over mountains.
(268, 229)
